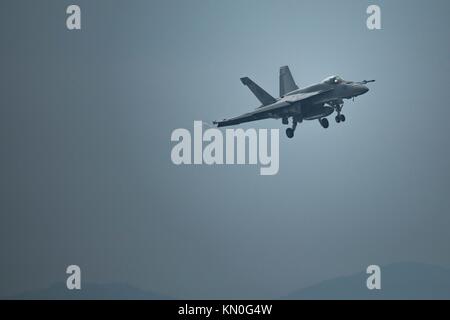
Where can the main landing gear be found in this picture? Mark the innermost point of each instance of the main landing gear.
(290, 131)
(324, 123)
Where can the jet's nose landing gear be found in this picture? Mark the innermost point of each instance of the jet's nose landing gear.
(290, 131)
(340, 118)
(338, 107)
(324, 123)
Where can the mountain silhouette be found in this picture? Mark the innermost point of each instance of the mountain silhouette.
(91, 292)
(406, 280)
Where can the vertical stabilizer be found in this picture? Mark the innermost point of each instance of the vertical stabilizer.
(287, 83)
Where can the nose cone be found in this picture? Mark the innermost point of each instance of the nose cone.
(364, 89)
(360, 89)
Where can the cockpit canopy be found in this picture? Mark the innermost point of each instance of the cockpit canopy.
(333, 80)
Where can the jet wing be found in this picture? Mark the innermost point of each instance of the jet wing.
(269, 111)
(303, 96)
(246, 117)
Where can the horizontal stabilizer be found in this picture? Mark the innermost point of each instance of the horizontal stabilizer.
(259, 92)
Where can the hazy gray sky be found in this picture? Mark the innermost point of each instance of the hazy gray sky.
(86, 118)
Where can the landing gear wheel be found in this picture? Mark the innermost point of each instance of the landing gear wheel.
(342, 118)
(324, 122)
(290, 133)
(338, 118)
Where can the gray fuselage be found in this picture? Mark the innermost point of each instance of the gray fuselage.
(321, 105)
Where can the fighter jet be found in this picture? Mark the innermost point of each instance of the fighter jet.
(315, 102)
